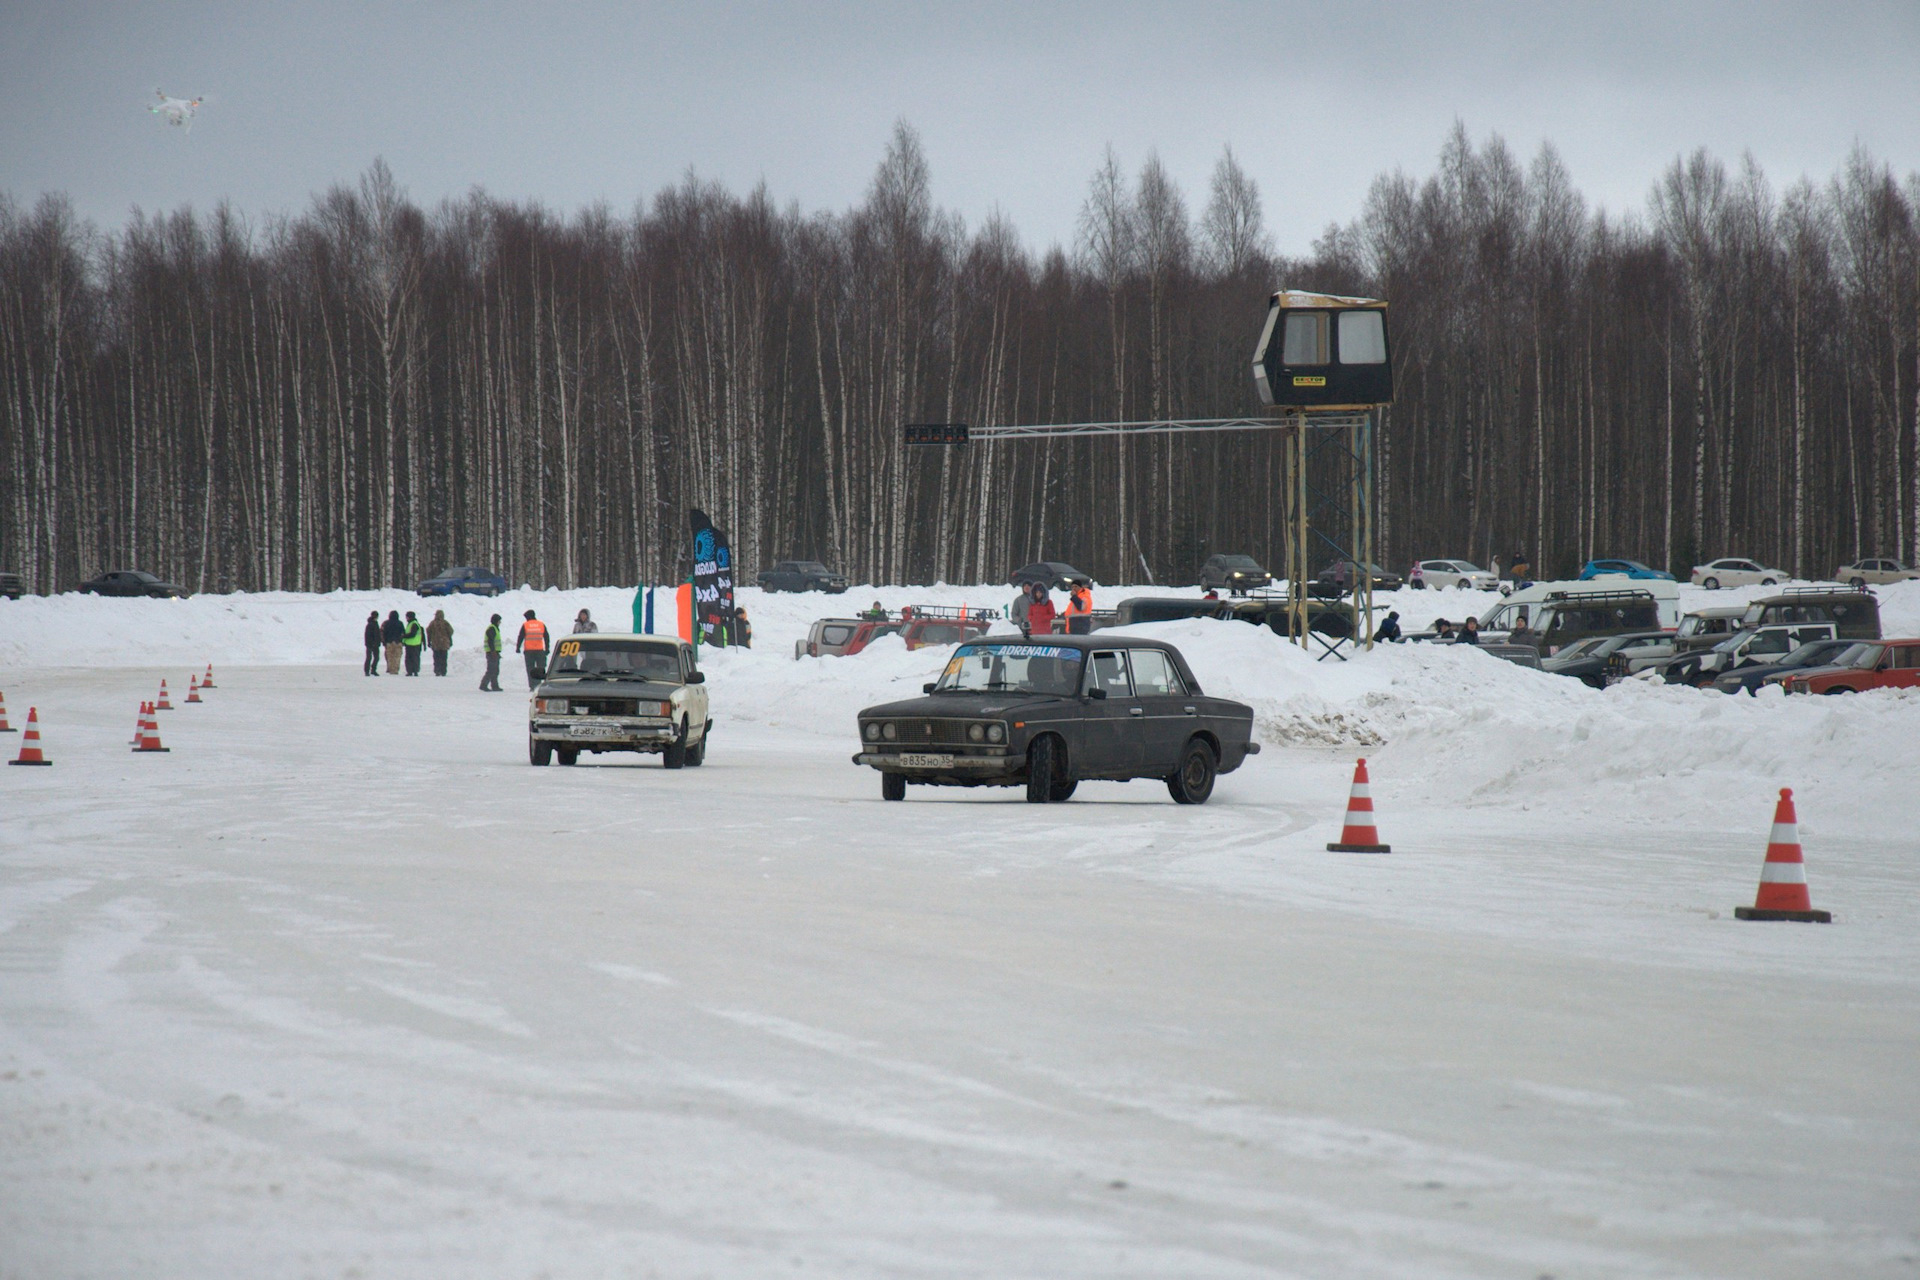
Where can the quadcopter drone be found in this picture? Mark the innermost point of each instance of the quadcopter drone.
(176, 111)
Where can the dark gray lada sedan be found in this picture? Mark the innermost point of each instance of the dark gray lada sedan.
(1046, 714)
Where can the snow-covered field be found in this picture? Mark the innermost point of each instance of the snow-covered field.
(340, 986)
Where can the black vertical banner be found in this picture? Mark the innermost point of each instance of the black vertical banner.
(712, 580)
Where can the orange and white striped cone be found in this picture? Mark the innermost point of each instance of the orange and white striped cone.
(4, 726)
(208, 682)
(30, 752)
(163, 704)
(1359, 836)
(193, 689)
(1783, 877)
(140, 721)
(150, 736)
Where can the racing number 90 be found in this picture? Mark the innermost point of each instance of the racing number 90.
(569, 648)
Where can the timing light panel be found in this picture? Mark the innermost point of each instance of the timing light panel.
(936, 433)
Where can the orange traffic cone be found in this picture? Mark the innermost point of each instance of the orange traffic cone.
(140, 721)
(30, 745)
(193, 689)
(163, 704)
(208, 682)
(1359, 836)
(4, 726)
(150, 736)
(1783, 877)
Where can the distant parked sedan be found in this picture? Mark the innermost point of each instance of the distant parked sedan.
(802, 575)
(465, 580)
(1881, 664)
(1056, 574)
(1457, 573)
(1624, 568)
(1340, 575)
(1877, 572)
(132, 582)
(1735, 572)
(1236, 575)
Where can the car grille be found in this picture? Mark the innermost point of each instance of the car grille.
(914, 733)
(603, 706)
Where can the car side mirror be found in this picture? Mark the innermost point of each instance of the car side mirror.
(927, 687)
(697, 677)
(1098, 695)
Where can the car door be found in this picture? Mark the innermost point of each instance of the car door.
(1170, 715)
(1899, 669)
(1112, 728)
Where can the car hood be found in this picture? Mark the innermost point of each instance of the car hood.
(985, 705)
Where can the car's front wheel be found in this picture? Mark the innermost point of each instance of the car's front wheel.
(1192, 782)
(1769, 582)
(893, 786)
(675, 756)
(538, 752)
(1711, 584)
(1856, 583)
(568, 755)
(1044, 770)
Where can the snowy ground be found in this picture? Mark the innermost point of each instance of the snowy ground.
(340, 986)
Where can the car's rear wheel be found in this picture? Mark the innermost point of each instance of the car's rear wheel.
(675, 756)
(1856, 583)
(568, 755)
(538, 752)
(1769, 582)
(1192, 782)
(1711, 584)
(1044, 770)
(893, 786)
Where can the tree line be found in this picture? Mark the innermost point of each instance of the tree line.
(363, 392)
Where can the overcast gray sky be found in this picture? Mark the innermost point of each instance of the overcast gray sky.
(587, 101)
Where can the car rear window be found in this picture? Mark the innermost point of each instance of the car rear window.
(835, 635)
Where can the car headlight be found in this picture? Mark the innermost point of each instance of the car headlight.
(889, 731)
(976, 733)
(873, 731)
(996, 732)
(552, 706)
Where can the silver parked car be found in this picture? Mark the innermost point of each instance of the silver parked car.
(1457, 573)
(1732, 571)
(1878, 572)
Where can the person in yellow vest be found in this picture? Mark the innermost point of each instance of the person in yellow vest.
(532, 645)
(1079, 610)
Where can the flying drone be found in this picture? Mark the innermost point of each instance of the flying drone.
(176, 111)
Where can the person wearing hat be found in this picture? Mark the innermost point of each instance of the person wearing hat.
(532, 646)
(742, 629)
(583, 624)
(371, 637)
(490, 682)
(1389, 628)
(440, 640)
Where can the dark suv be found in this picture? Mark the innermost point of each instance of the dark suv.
(1236, 575)
(802, 575)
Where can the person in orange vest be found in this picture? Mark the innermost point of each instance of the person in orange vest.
(532, 645)
(1079, 609)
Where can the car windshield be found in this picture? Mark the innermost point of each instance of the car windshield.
(1808, 652)
(811, 566)
(588, 659)
(1239, 562)
(1465, 566)
(1580, 648)
(1014, 668)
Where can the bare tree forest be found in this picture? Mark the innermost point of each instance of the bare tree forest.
(359, 394)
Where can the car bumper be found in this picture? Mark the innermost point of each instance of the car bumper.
(603, 731)
(947, 765)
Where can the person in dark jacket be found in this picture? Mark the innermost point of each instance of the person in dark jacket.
(390, 633)
(1469, 631)
(491, 645)
(1389, 628)
(413, 638)
(440, 640)
(371, 666)
(742, 629)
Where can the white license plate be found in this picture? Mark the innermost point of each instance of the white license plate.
(594, 730)
(922, 760)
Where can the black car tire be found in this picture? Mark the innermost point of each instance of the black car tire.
(1856, 583)
(697, 753)
(675, 756)
(1711, 584)
(1044, 774)
(567, 755)
(1839, 688)
(538, 752)
(1063, 790)
(893, 786)
(1192, 782)
(1769, 582)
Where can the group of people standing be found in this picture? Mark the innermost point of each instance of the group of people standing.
(1034, 614)
(401, 642)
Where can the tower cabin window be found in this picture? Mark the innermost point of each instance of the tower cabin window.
(1305, 341)
(1363, 337)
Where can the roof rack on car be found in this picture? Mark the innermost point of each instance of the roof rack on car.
(1599, 597)
(964, 613)
(1831, 589)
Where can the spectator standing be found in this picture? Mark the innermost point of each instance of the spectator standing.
(531, 644)
(742, 629)
(583, 624)
(1079, 609)
(1417, 577)
(1040, 613)
(440, 640)
(390, 633)
(371, 636)
(490, 644)
(413, 637)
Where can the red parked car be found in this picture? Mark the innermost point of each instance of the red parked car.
(1895, 666)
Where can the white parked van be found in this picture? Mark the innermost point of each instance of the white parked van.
(1532, 598)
